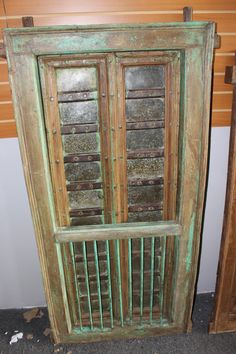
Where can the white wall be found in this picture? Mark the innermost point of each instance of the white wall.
(20, 278)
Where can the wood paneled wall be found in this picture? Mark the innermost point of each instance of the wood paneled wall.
(53, 12)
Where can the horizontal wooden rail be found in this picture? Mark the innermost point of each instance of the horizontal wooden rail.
(117, 231)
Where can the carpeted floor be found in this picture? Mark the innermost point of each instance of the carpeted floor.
(198, 342)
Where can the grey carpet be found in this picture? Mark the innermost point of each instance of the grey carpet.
(197, 342)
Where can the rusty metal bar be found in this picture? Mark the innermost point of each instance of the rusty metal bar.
(82, 158)
(140, 154)
(145, 125)
(77, 290)
(109, 282)
(145, 182)
(87, 283)
(77, 129)
(86, 212)
(162, 278)
(76, 186)
(98, 282)
(77, 96)
(152, 277)
(141, 277)
(145, 93)
(130, 279)
(147, 207)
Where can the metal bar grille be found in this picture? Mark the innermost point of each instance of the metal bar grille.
(97, 285)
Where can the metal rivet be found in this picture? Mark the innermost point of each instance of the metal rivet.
(103, 94)
(106, 158)
(120, 126)
(54, 131)
(57, 161)
(51, 99)
(85, 95)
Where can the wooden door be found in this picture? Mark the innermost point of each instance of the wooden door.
(114, 136)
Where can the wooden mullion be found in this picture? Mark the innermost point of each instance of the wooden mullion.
(172, 73)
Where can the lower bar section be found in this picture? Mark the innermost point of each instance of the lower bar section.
(100, 284)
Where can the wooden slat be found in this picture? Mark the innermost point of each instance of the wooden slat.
(2, 13)
(54, 13)
(221, 119)
(27, 7)
(225, 22)
(227, 43)
(219, 85)
(222, 101)
(3, 72)
(8, 130)
(6, 111)
(5, 92)
(221, 61)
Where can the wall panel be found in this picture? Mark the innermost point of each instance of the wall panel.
(52, 12)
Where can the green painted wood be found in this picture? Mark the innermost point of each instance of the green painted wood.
(194, 41)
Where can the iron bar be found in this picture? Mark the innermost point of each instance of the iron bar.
(141, 277)
(119, 281)
(98, 282)
(109, 281)
(162, 278)
(130, 278)
(152, 276)
(87, 283)
(71, 245)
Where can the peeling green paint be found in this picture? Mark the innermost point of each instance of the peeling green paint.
(190, 243)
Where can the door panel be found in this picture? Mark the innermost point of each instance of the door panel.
(125, 278)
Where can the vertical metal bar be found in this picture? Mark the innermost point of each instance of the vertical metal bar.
(98, 282)
(161, 295)
(109, 281)
(71, 245)
(119, 281)
(130, 279)
(141, 277)
(87, 283)
(152, 276)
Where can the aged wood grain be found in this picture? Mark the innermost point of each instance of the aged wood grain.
(194, 42)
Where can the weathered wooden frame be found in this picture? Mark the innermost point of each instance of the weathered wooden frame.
(195, 43)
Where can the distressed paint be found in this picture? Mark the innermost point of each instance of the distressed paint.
(190, 243)
(187, 38)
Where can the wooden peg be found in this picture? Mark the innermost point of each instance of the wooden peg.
(188, 14)
(217, 41)
(28, 21)
(2, 51)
